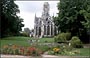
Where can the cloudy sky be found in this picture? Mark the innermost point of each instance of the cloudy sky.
(29, 8)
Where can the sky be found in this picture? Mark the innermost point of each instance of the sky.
(28, 9)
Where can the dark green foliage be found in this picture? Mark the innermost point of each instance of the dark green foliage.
(24, 34)
(75, 42)
(74, 16)
(68, 35)
(62, 37)
(10, 23)
(27, 31)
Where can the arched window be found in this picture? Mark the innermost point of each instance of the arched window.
(39, 30)
(51, 30)
(44, 30)
(36, 30)
(40, 22)
(48, 22)
(48, 30)
(46, 19)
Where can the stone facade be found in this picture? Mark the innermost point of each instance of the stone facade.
(44, 25)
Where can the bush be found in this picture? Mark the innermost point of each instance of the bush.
(25, 34)
(75, 42)
(62, 37)
(68, 36)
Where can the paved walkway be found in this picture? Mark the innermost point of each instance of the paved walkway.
(43, 56)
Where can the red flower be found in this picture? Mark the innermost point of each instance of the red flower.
(31, 48)
(22, 50)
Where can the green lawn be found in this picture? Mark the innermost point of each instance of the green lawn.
(84, 51)
(48, 40)
(22, 41)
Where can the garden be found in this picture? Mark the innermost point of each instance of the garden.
(60, 45)
(72, 22)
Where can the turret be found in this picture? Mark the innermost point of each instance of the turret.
(45, 9)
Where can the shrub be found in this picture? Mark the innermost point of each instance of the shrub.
(68, 35)
(62, 37)
(24, 34)
(75, 42)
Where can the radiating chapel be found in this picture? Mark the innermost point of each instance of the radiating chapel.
(44, 25)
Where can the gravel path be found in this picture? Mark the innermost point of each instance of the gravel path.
(43, 56)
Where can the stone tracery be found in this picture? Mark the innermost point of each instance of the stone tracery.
(44, 26)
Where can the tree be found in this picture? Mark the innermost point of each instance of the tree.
(73, 17)
(27, 30)
(10, 23)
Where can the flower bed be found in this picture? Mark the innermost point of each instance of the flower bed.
(63, 50)
(18, 50)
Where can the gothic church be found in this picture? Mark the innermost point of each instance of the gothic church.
(44, 25)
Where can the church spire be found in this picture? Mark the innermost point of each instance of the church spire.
(46, 9)
(35, 18)
(35, 15)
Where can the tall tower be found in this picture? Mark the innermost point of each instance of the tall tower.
(44, 25)
(45, 12)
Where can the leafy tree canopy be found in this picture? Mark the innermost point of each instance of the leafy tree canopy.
(10, 23)
(74, 17)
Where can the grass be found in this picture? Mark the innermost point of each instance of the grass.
(48, 40)
(84, 51)
(22, 41)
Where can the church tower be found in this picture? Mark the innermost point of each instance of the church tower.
(45, 13)
(44, 25)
